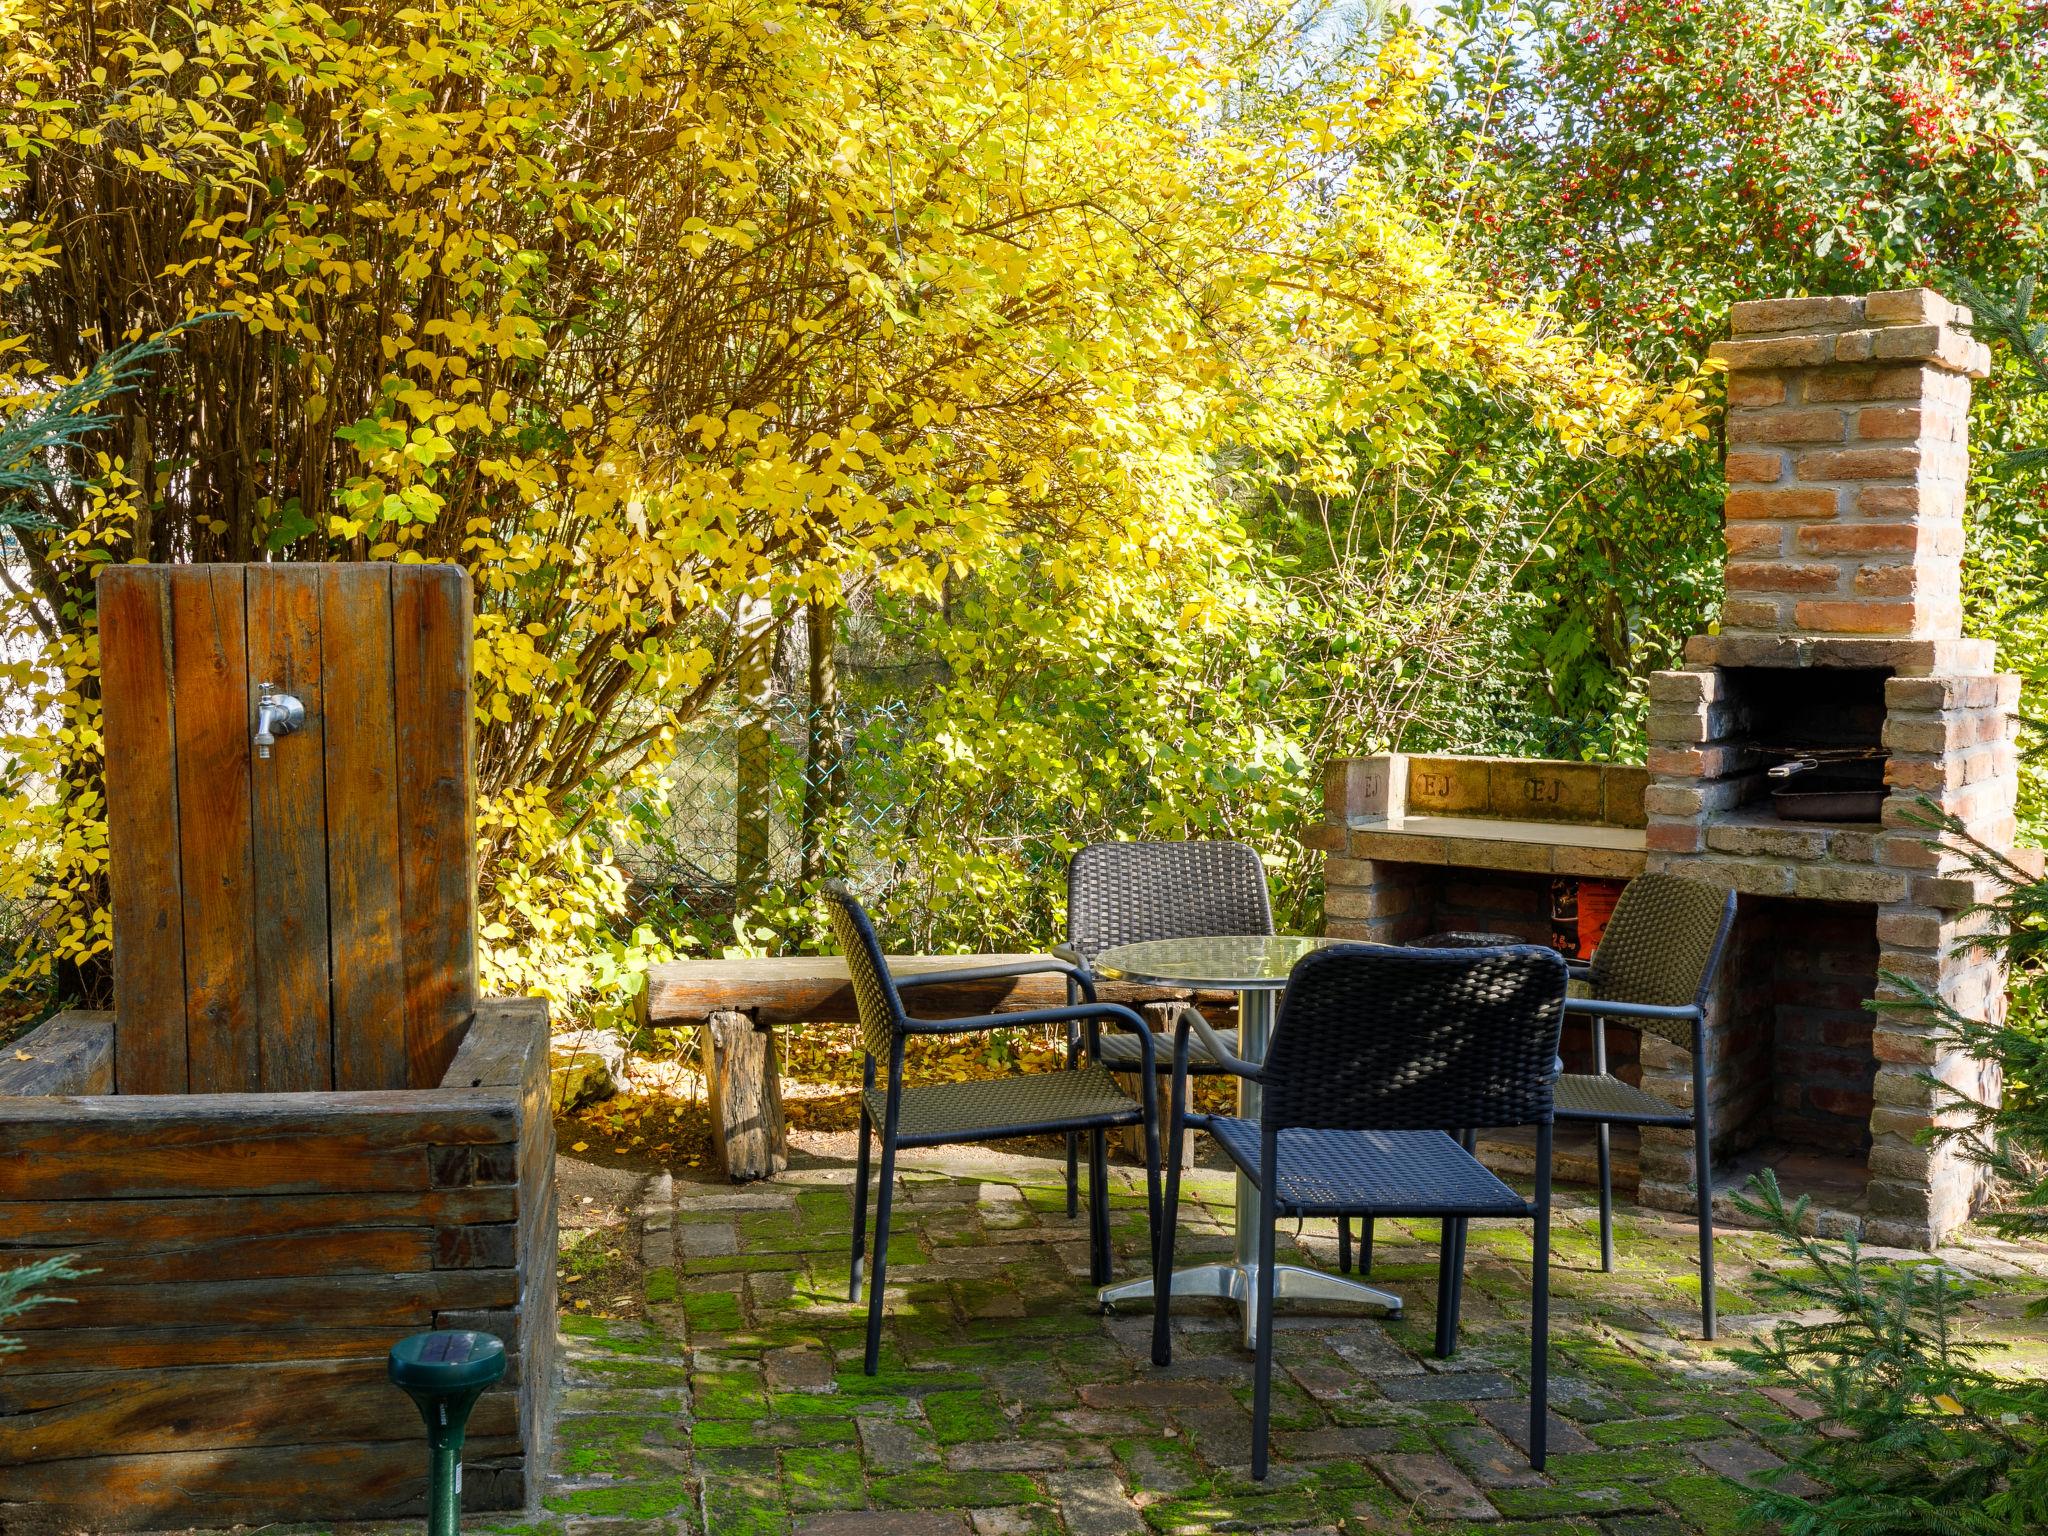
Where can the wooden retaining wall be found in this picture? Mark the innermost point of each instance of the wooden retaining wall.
(257, 1256)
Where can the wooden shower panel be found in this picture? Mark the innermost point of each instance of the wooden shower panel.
(307, 921)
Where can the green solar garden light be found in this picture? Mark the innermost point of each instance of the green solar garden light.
(445, 1373)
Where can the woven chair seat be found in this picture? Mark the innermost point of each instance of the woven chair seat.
(1009, 1106)
(1596, 1096)
(1372, 1173)
(1122, 1052)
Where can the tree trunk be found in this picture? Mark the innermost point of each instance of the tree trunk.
(824, 789)
(754, 799)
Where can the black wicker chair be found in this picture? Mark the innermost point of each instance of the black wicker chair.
(1453, 939)
(1653, 968)
(1083, 1098)
(1130, 893)
(1377, 1055)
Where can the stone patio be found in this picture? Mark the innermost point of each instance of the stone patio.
(1008, 1407)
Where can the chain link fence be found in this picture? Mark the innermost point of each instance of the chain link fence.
(693, 848)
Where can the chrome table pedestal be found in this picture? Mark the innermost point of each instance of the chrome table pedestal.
(1236, 1280)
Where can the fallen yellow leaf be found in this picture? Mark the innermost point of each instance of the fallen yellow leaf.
(581, 1146)
(23, 1056)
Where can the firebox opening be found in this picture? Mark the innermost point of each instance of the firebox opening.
(1784, 713)
(1796, 1047)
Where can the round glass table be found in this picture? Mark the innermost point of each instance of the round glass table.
(1255, 967)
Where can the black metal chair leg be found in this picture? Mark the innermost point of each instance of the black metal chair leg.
(1262, 1323)
(1163, 1240)
(860, 1205)
(1606, 1199)
(1446, 1260)
(1703, 1185)
(1458, 1280)
(1073, 1138)
(1470, 1141)
(1344, 1244)
(1098, 1207)
(1152, 1190)
(1598, 1026)
(1539, 1309)
(878, 1284)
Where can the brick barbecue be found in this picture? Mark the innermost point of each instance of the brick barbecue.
(1840, 647)
(1847, 466)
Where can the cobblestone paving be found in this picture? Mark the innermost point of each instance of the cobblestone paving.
(1007, 1406)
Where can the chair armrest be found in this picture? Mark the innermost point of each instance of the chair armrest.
(1578, 970)
(1114, 1013)
(1606, 1009)
(1080, 974)
(1191, 1018)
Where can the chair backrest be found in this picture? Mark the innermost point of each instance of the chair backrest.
(1662, 947)
(1375, 1038)
(874, 993)
(1131, 893)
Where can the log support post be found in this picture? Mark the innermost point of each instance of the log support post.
(743, 1084)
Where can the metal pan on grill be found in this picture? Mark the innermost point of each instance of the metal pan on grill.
(1838, 785)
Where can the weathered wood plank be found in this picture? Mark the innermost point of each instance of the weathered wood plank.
(334, 1251)
(744, 1087)
(803, 989)
(71, 1052)
(215, 719)
(363, 1301)
(73, 1148)
(260, 1165)
(204, 1408)
(442, 1115)
(497, 1050)
(144, 878)
(366, 949)
(132, 1226)
(379, 1479)
(289, 837)
(149, 1347)
(431, 628)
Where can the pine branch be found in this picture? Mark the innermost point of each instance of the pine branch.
(32, 436)
(19, 1291)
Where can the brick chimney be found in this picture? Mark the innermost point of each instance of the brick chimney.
(1847, 458)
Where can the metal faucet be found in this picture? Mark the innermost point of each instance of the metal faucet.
(277, 714)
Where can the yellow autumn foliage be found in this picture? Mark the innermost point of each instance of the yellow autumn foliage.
(637, 308)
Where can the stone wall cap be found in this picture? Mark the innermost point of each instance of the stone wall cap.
(1940, 346)
(1907, 657)
(1546, 834)
(1752, 317)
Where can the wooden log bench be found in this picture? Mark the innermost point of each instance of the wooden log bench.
(736, 1007)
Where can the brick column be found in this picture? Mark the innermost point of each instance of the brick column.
(1847, 470)
(1365, 898)
(1952, 742)
(1847, 457)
